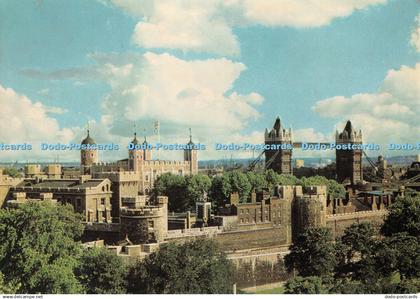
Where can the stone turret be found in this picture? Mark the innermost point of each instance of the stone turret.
(349, 161)
(191, 156)
(280, 158)
(309, 209)
(88, 154)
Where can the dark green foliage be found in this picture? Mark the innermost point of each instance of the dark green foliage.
(398, 253)
(173, 186)
(7, 287)
(223, 186)
(257, 181)
(196, 267)
(312, 254)
(305, 285)
(244, 275)
(403, 216)
(335, 189)
(183, 192)
(197, 186)
(239, 183)
(264, 272)
(13, 172)
(38, 248)
(102, 272)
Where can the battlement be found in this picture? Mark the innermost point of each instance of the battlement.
(149, 211)
(166, 163)
(349, 134)
(117, 176)
(352, 215)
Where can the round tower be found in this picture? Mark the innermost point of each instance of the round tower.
(88, 154)
(310, 209)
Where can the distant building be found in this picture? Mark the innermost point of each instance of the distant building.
(21, 198)
(91, 197)
(349, 161)
(89, 155)
(143, 221)
(140, 162)
(280, 158)
(299, 163)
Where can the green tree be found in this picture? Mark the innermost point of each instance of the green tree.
(7, 287)
(196, 267)
(335, 189)
(257, 181)
(38, 249)
(102, 272)
(13, 172)
(403, 216)
(312, 254)
(197, 186)
(287, 179)
(220, 191)
(305, 285)
(398, 253)
(357, 242)
(239, 183)
(175, 187)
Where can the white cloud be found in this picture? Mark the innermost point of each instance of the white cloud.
(180, 92)
(415, 34)
(27, 121)
(207, 26)
(186, 25)
(304, 13)
(390, 115)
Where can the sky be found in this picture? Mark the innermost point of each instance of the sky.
(226, 69)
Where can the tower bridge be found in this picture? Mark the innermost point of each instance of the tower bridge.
(349, 162)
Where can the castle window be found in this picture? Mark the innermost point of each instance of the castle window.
(102, 201)
(151, 224)
(147, 178)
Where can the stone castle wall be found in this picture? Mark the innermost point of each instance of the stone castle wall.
(339, 222)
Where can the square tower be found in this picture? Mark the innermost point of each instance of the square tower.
(349, 161)
(280, 158)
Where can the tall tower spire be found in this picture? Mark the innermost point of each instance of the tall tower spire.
(190, 155)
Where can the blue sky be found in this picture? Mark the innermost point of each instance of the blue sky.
(75, 57)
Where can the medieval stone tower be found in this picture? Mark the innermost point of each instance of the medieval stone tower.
(88, 154)
(138, 154)
(309, 209)
(190, 155)
(349, 161)
(279, 159)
